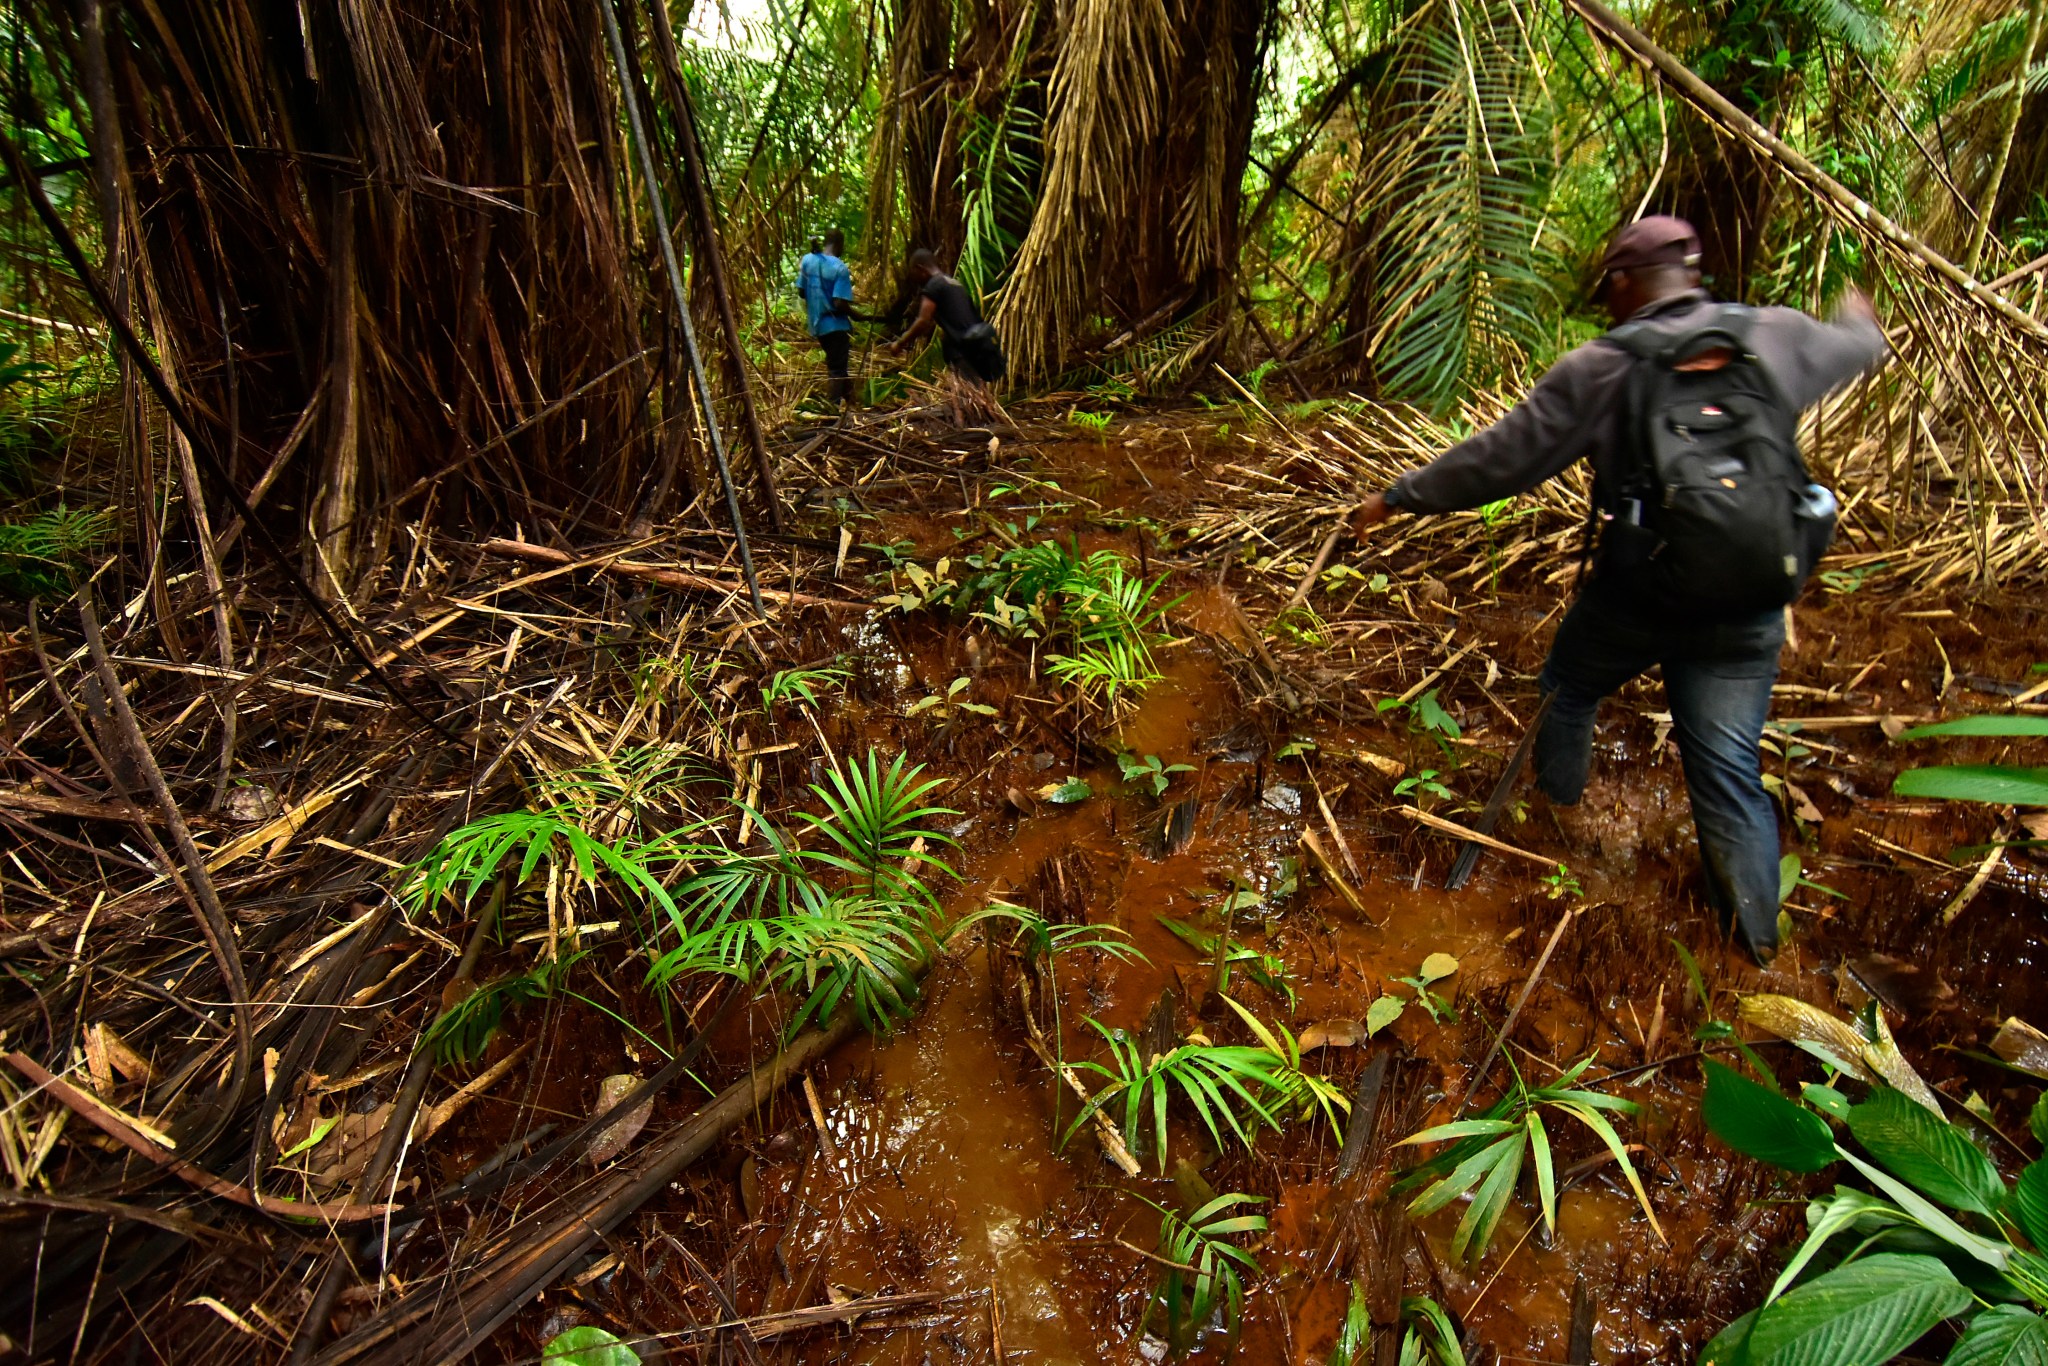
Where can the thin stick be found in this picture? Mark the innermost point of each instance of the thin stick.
(1466, 833)
(1308, 580)
(1478, 1076)
(89, 1109)
(641, 148)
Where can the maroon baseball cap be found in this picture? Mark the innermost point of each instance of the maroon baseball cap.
(1659, 240)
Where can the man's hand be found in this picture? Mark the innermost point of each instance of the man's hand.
(1370, 513)
(1856, 307)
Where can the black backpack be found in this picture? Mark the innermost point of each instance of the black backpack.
(1711, 511)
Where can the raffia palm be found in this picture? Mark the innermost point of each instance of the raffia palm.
(413, 234)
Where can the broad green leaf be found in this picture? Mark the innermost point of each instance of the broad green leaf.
(1730, 1346)
(2004, 1335)
(1475, 1230)
(1463, 1128)
(587, 1345)
(2000, 784)
(2030, 1203)
(1925, 1213)
(1756, 1120)
(1788, 876)
(1859, 1314)
(1931, 1154)
(1826, 1099)
(1546, 1176)
(1437, 966)
(1067, 793)
(1981, 725)
(1824, 1219)
(2038, 1119)
(1382, 1013)
(1468, 1174)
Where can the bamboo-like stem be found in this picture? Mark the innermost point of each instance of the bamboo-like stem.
(2009, 123)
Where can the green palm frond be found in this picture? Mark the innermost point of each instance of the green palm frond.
(1002, 159)
(804, 685)
(1487, 1154)
(1216, 1081)
(880, 830)
(849, 949)
(468, 857)
(1463, 292)
(39, 553)
(1204, 1270)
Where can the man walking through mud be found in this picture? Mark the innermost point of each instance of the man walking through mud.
(968, 343)
(825, 284)
(1671, 473)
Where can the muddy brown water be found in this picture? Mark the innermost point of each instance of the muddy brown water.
(942, 1171)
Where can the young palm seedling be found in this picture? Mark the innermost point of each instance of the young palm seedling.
(1148, 774)
(1231, 1087)
(1487, 1154)
(1204, 1271)
(851, 922)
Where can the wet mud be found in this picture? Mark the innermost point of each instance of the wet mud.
(940, 1169)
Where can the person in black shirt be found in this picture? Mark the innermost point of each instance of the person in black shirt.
(968, 343)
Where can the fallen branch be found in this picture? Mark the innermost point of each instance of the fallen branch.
(446, 1318)
(93, 1112)
(661, 575)
(1465, 833)
(78, 808)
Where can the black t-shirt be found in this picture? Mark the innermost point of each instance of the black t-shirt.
(957, 315)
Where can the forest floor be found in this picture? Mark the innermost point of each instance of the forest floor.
(926, 1167)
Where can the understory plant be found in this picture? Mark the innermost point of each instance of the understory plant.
(2002, 784)
(1922, 1231)
(1101, 619)
(1488, 1152)
(1204, 1270)
(1228, 1087)
(850, 921)
(1428, 1338)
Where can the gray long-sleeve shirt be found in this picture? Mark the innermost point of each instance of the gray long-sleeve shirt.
(1575, 410)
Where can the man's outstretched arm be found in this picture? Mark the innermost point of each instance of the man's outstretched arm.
(1538, 438)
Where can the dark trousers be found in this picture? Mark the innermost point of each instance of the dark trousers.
(980, 360)
(838, 348)
(1717, 679)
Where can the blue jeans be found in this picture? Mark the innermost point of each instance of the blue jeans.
(1717, 678)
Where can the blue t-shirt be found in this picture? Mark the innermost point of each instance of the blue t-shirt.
(820, 279)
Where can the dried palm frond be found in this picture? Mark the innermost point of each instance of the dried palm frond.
(1107, 103)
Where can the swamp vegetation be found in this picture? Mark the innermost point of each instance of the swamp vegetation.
(526, 834)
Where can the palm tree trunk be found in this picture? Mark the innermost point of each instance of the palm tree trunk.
(1987, 204)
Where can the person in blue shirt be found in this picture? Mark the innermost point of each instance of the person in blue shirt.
(826, 286)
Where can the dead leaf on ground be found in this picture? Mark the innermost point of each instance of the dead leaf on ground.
(610, 1143)
(1393, 768)
(1839, 1042)
(2022, 1045)
(1333, 1033)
